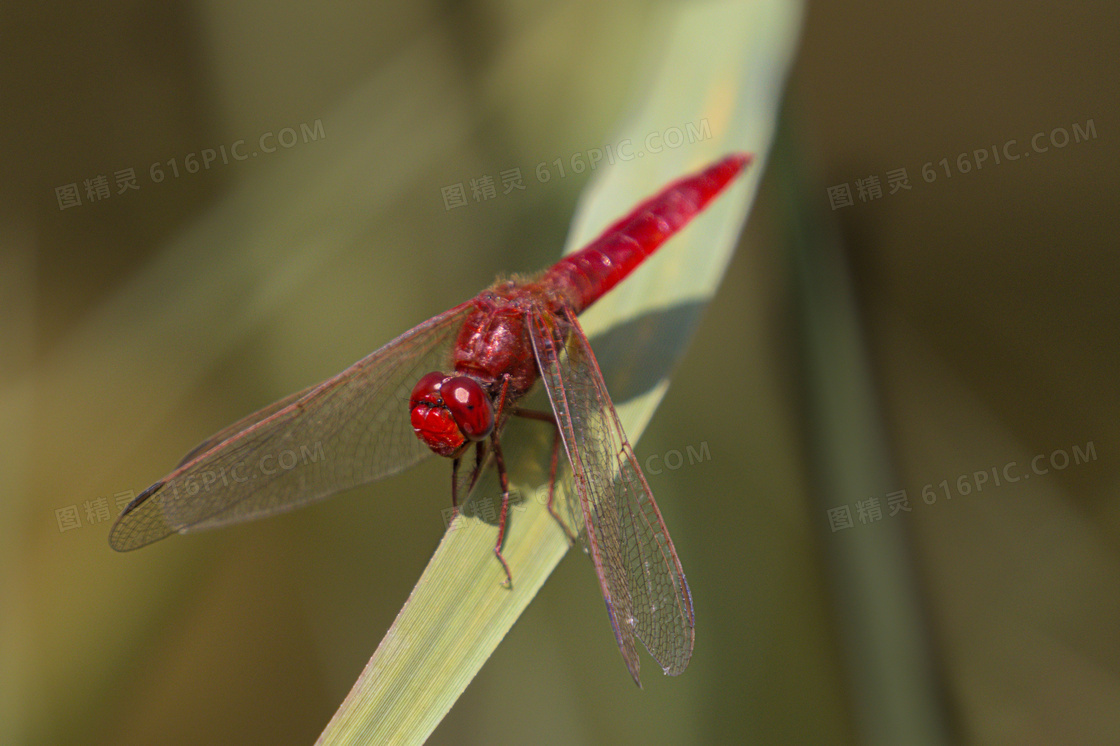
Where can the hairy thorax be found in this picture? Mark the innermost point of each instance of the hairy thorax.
(495, 340)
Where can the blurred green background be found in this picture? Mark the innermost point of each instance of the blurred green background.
(964, 325)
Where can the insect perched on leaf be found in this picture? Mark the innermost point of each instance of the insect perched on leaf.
(448, 386)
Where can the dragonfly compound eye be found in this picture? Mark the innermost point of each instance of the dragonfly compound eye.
(469, 405)
(432, 422)
(426, 390)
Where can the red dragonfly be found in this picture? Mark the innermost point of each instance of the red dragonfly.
(387, 412)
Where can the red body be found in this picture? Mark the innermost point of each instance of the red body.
(493, 346)
(583, 277)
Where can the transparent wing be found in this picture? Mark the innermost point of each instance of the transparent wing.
(641, 578)
(346, 431)
(229, 431)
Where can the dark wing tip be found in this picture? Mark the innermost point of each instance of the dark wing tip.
(203, 446)
(133, 530)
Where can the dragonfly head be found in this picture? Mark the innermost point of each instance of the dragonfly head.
(449, 413)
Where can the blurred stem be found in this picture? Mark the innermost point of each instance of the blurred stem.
(893, 681)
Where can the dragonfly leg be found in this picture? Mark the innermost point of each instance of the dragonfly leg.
(552, 486)
(501, 406)
(479, 456)
(503, 477)
(456, 464)
(548, 417)
(455, 485)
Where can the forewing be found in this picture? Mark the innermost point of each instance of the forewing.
(641, 578)
(346, 431)
(229, 431)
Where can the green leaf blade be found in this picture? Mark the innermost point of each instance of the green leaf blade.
(723, 69)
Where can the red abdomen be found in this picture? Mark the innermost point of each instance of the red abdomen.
(593, 270)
